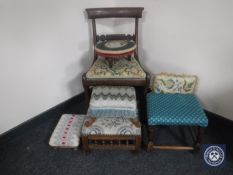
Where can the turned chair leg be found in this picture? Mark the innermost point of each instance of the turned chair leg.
(198, 140)
(86, 90)
(138, 143)
(85, 144)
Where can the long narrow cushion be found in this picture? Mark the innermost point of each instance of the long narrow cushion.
(68, 131)
(122, 68)
(174, 83)
(111, 126)
(175, 109)
(113, 101)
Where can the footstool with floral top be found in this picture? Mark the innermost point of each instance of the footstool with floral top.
(111, 133)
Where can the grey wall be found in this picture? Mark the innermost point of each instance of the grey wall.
(45, 47)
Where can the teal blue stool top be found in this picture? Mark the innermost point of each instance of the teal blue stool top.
(175, 109)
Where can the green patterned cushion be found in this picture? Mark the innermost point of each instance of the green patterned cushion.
(169, 83)
(122, 68)
(175, 109)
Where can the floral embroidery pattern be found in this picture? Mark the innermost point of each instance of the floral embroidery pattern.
(169, 83)
(111, 126)
(122, 68)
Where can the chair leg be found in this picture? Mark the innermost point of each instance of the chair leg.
(198, 140)
(86, 90)
(151, 134)
(85, 144)
(138, 143)
(144, 99)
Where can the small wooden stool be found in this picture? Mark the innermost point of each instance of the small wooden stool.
(111, 133)
(172, 102)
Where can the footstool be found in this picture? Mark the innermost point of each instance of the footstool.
(173, 102)
(111, 133)
(67, 132)
(113, 101)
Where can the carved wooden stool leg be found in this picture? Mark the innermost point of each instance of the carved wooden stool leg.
(138, 143)
(151, 134)
(198, 140)
(85, 144)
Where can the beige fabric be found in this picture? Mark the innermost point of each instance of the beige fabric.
(174, 83)
(67, 132)
(111, 126)
(122, 68)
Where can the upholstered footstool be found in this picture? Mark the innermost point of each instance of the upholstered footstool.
(172, 102)
(67, 132)
(111, 133)
(113, 101)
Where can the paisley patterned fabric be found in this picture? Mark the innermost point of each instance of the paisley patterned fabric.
(67, 131)
(122, 68)
(175, 109)
(111, 126)
(168, 83)
(113, 101)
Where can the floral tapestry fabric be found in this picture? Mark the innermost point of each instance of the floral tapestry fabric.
(113, 101)
(67, 132)
(111, 126)
(171, 83)
(122, 68)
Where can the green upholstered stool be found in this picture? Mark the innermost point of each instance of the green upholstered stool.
(173, 103)
(175, 109)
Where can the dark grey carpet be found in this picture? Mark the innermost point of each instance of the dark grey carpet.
(30, 154)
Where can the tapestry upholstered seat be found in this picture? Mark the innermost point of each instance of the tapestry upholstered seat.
(111, 133)
(172, 103)
(111, 126)
(123, 68)
(113, 101)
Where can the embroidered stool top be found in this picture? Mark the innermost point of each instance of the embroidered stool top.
(175, 109)
(113, 101)
(111, 126)
(67, 132)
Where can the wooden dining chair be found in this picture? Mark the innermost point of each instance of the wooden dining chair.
(125, 72)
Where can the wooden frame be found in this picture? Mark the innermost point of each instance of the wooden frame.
(197, 138)
(123, 142)
(120, 12)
